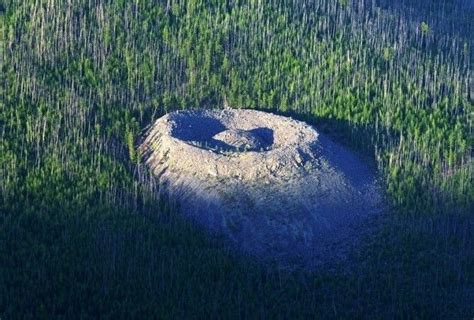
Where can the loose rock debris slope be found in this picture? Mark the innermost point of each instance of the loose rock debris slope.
(273, 186)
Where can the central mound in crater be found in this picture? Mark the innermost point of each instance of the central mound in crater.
(274, 186)
(244, 140)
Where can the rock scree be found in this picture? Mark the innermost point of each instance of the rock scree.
(273, 186)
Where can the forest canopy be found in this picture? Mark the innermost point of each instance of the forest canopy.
(82, 78)
(80, 81)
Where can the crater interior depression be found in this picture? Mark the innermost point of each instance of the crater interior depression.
(273, 186)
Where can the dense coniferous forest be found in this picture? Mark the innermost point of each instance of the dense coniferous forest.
(83, 230)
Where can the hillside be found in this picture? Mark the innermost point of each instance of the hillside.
(80, 215)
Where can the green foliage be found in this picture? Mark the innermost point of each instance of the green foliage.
(344, 3)
(130, 141)
(388, 54)
(79, 79)
(425, 28)
(105, 262)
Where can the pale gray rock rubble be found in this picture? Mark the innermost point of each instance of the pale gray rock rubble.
(273, 186)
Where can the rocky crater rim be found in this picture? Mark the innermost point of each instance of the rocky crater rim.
(241, 143)
(272, 185)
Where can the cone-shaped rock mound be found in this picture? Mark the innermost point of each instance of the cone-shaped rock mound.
(274, 186)
(241, 144)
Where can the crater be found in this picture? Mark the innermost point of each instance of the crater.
(273, 186)
(235, 140)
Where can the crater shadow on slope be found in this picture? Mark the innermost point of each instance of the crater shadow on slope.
(196, 128)
(211, 134)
